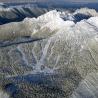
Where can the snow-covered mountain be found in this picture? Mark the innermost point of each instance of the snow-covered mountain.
(52, 56)
(47, 24)
(15, 14)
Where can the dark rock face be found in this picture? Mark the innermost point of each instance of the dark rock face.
(48, 57)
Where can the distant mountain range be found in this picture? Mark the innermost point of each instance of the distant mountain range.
(14, 1)
(53, 3)
(75, 1)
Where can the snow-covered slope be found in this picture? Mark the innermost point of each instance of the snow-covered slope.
(50, 56)
(46, 24)
(2, 5)
(43, 26)
(13, 14)
(9, 14)
(3, 94)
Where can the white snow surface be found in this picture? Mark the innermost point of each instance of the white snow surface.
(3, 94)
(93, 21)
(51, 20)
(76, 34)
(86, 11)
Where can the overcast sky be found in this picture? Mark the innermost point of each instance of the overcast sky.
(89, 1)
